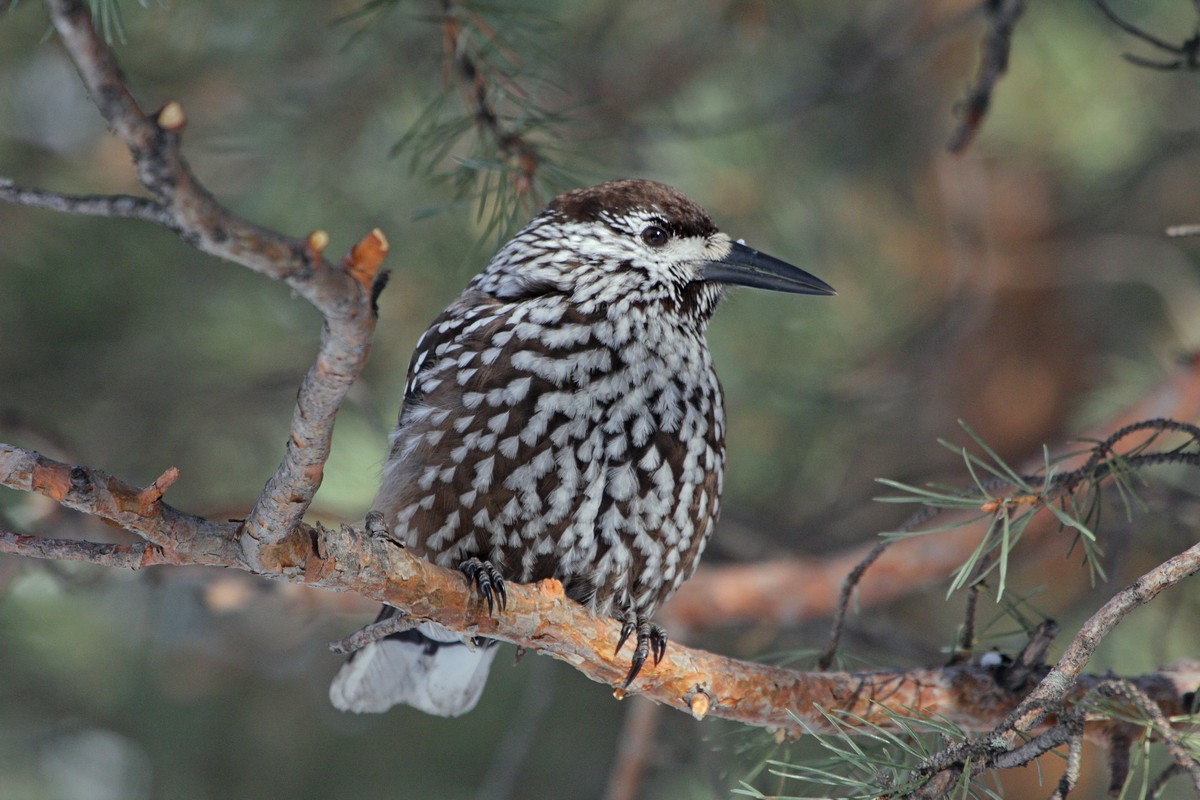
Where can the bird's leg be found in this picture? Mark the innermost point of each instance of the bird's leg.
(485, 579)
(651, 639)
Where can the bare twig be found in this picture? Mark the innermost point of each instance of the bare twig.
(1160, 724)
(128, 556)
(372, 633)
(1070, 775)
(1188, 51)
(975, 586)
(180, 203)
(1001, 16)
(1062, 683)
(1042, 743)
(194, 539)
(1157, 788)
(119, 206)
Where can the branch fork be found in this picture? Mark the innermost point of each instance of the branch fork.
(273, 541)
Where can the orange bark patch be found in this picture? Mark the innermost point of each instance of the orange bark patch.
(366, 257)
(54, 482)
(290, 552)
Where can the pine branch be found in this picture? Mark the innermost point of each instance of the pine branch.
(788, 591)
(1060, 688)
(540, 617)
(344, 293)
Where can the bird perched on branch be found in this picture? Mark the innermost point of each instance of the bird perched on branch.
(562, 418)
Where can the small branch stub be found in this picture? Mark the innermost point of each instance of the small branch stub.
(366, 257)
(700, 704)
(153, 493)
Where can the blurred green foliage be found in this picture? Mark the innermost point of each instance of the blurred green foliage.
(1024, 287)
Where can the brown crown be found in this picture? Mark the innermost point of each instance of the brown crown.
(680, 215)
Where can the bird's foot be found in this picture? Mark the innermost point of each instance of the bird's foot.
(485, 579)
(651, 639)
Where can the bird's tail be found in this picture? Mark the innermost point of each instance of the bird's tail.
(429, 668)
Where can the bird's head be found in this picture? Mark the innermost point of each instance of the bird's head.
(636, 241)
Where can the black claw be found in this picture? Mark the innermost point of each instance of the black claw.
(651, 641)
(501, 593)
(628, 626)
(634, 668)
(658, 643)
(487, 581)
(485, 589)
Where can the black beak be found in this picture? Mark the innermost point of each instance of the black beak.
(745, 266)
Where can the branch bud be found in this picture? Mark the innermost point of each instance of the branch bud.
(171, 117)
(316, 242)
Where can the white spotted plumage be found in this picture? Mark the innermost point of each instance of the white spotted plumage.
(622, 379)
(562, 418)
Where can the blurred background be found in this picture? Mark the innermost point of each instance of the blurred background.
(1025, 287)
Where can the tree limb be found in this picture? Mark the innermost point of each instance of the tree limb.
(275, 543)
(539, 616)
(344, 293)
(1064, 684)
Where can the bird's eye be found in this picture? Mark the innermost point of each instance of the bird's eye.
(655, 236)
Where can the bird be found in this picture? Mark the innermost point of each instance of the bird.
(562, 418)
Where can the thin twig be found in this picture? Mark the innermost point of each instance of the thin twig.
(1161, 725)
(118, 205)
(1042, 743)
(369, 634)
(825, 661)
(1160, 783)
(1129, 28)
(127, 556)
(1070, 776)
(1188, 52)
(511, 143)
(975, 586)
(181, 203)
(92, 491)
(1062, 681)
(1001, 16)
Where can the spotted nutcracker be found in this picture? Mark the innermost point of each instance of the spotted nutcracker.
(562, 418)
